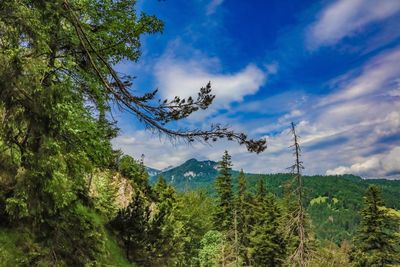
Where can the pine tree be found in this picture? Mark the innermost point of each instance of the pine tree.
(375, 242)
(162, 240)
(267, 244)
(223, 218)
(132, 226)
(242, 217)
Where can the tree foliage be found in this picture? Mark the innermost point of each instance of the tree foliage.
(267, 243)
(376, 244)
(223, 217)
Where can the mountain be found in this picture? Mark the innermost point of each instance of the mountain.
(192, 174)
(152, 171)
(333, 202)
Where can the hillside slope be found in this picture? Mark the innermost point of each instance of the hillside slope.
(333, 202)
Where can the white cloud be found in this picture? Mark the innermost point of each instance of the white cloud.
(213, 5)
(184, 78)
(340, 138)
(379, 165)
(350, 130)
(375, 76)
(126, 140)
(395, 91)
(346, 17)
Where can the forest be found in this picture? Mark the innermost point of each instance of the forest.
(69, 198)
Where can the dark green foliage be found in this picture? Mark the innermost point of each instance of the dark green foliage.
(161, 234)
(53, 105)
(375, 243)
(267, 244)
(132, 225)
(204, 174)
(75, 232)
(335, 219)
(243, 217)
(194, 219)
(223, 218)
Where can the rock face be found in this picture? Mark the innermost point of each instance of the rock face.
(124, 190)
(104, 183)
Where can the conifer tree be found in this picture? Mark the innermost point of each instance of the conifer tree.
(132, 225)
(267, 244)
(242, 216)
(161, 228)
(375, 243)
(223, 218)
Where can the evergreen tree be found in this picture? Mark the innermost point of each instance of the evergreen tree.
(242, 217)
(375, 243)
(132, 226)
(267, 244)
(162, 239)
(223, 218)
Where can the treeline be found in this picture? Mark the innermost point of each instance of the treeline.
(124, 221)
(161, 227)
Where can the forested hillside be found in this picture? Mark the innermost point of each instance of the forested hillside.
(333, 202)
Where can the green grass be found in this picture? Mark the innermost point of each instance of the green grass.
(114, 256)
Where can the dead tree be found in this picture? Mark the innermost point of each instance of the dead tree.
(297, 225)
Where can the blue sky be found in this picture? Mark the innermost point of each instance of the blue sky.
(332, 67)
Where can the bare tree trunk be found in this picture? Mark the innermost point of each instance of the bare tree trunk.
(299, 216)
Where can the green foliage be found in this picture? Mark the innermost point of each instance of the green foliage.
(113, 255)
(77, 231)
(211, 246)
(103, 193)
(223, 217)
(330, 254)
(244, 220)
(132, 227)
(13, 246)
(375, 243)
(134, 170)
(267, 243)
(194, 219)
(18, 247)
(335, 220)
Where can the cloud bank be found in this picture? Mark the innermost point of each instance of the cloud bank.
(345, 18)
(184, 78)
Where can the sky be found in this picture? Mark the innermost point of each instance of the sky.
(331, 67)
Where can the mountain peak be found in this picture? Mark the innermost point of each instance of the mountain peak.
(192, 160)
(191, 169)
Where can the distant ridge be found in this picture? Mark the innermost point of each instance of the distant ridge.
(333, 202)
(192, 172)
